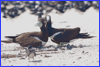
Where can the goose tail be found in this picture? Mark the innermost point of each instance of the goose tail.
(7, 41)
(11, 40)
(12, 37)
(84, 35)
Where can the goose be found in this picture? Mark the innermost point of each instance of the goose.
(35, 39)
(63, 35)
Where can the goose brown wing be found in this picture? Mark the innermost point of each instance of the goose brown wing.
(25, 40)
(67, 35)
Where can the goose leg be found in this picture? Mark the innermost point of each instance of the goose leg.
(62, 45)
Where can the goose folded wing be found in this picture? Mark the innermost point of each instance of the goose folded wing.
(26, 40)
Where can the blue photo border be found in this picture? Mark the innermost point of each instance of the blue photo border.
(47, 0)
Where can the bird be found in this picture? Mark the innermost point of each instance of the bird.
(13, 12)
(3, 7)
(22, 8)
(5, 13)
(63, 35)
(30, 52)
(35, 39)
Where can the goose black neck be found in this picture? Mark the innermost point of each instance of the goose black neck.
(49, 28)
(43, 29)
(44, 34)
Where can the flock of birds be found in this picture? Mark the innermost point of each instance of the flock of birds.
(37, 40)
(40, 8)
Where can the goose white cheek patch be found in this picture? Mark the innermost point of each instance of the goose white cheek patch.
(39, 24)
(48, 18)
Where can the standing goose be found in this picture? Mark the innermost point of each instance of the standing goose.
(63, 35)
(35, 39)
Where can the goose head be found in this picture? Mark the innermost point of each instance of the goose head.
(41, 23)
(48, 18)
